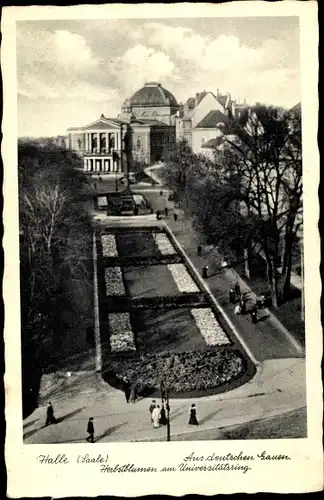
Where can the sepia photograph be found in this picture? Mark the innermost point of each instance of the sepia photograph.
(161, 230)
(162, 283)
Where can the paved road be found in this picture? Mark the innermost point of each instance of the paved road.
(278, 387)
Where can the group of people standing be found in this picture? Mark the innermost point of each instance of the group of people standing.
(159, 414)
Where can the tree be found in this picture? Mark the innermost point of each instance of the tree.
(53, 238)
(263, 161)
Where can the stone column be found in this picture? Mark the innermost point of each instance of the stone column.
(86, 141)
(107, 145)
(98, 142)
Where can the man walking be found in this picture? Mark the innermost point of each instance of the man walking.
(50, 419)
(237, 289)
(90, 430)
(151, 408)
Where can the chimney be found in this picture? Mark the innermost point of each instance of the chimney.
(217, 93)
(244, 102)
(227, 100)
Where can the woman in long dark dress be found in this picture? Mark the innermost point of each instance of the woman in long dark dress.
(193, 416)
(163, 419)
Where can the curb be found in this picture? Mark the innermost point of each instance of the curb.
(98, 357)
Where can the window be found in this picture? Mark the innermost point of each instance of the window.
(138, 144)
(203, 140)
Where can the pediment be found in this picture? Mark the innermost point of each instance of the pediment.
(102, 124)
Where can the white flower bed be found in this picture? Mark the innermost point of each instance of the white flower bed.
(114, 281)
(109, 247)
(182, 278)
(209, 327)
(164, 244)
(121, 334)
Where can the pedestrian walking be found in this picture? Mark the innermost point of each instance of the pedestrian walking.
(126, 388)
(243, 305)
(163, 419)
(95, 185)
(205, 272)
(133, 392)
(166, 211)
(237, 289)
(254, 317)
(50, 418)
(100, 179)
(175, 217)
(237, 309)
(158, 214)
(156, 414)
(90, 430)
(199, 250)
(161, 193)
(151, 408)
(193, 416)
(232, 296)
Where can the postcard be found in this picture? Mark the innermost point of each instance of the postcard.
(161, 281)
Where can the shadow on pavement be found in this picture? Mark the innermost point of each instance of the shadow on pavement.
(208, 417)
(109, 431)
(28, 424)
(69, 415)
(58, 420)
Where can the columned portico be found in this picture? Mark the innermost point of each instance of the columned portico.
(100, 144)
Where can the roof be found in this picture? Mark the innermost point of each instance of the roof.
(101, 124)
(212, 119)
(153, 94)
(224, 99)
(213, 143)
(296, 109)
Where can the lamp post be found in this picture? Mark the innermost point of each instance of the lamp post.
(167, 407)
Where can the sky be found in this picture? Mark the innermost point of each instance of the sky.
(69, 72)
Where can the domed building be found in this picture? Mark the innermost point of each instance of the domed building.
(147, 120)
(151, 102)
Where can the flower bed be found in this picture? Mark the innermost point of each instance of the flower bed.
(181, 372)
(182, 278)
(164, 244)
(109, 247)
(209, 327)
(120, 333)
(114, 281)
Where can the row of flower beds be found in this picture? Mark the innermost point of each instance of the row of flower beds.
(164, 244)
(120, 333)
(114, 281)
(209, 327)
(182, 278)
(182, 372)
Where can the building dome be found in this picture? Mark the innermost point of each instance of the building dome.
(153, 94)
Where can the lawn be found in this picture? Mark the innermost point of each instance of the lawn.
(169, 330)
(136, 244)
(149, 281)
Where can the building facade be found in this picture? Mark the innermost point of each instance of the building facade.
(147, 120)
